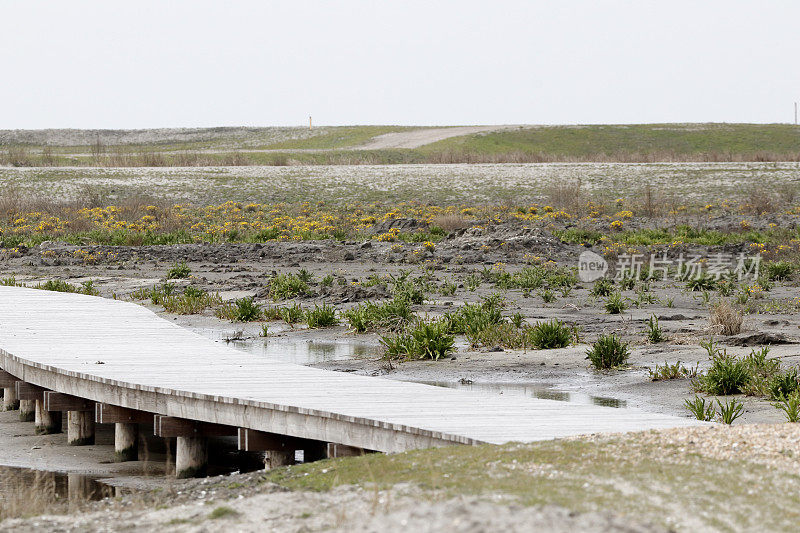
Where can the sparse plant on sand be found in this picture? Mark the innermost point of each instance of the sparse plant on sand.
(725, 318)
(700, 409)
(608, 352)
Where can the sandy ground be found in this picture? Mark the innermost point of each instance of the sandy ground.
(343, 509)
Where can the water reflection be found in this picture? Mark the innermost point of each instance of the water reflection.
(21, 489)
(534, 391)
(304, 353)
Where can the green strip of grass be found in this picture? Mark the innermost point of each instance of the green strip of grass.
(587, 141)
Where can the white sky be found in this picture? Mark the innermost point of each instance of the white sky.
(87, 64)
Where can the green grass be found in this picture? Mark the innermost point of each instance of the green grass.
(222, 511)
(613, 142)
(618, 475)
(680, 140)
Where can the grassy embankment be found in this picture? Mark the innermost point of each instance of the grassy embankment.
(339, 145)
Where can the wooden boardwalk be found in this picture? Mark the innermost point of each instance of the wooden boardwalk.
(122, 354)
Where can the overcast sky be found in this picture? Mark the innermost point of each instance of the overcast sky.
(197, 63)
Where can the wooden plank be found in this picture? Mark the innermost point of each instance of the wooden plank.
(7, 380)
(28, 391)
(112, 414)
(57, 401)
(251, 440)
(170, 426)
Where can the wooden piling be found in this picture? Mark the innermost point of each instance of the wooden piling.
(46, 422)
(126, 442)
(27, 410)
(80, 428)
(10, 399)
(191, 457)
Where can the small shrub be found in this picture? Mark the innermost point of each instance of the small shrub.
(179, 271)
(87, 287)
(190, 302)
(472, 282)
(246, 310)
(222, 512)
(730, 411)
(702, 282)
(779, 270)
(790, 405)
(725, 318)
(321, 317)
(547, 296)
(447, 289)
(700, 409)
(627, 283)
(668, 372)
(287, 286)
(10, 281)
(305, 276)
(783, 385)
(727, 375)
(602, 287)
(264, 330)
(406, 289)
(608, 352)
(472, 318)
(615, 304)
(426, 340)
(292, 314)
(654, 333)
(553, 334)
(393, 314)
(327, 281)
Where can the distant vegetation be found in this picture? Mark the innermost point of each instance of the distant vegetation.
(340, 145)
(644, 142)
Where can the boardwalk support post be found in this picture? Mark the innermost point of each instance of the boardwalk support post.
(9, 384)
(278, 449)
(191, 457)
(27, 397)
(126, 442)
(80, 416)
(126, 428)
(191, 448)
(341, 450)
(27, 410)
(46, 422)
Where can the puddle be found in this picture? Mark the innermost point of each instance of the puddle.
(297, 351)
(533, 391)
(23, 488)
(304, 353)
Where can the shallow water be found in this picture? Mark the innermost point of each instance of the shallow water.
(305, 352)
(533, 391)
(22, 487)
(298, 351)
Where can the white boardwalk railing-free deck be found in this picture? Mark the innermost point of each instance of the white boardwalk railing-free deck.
(122, 354)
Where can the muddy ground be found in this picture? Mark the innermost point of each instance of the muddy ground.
(239, 270)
